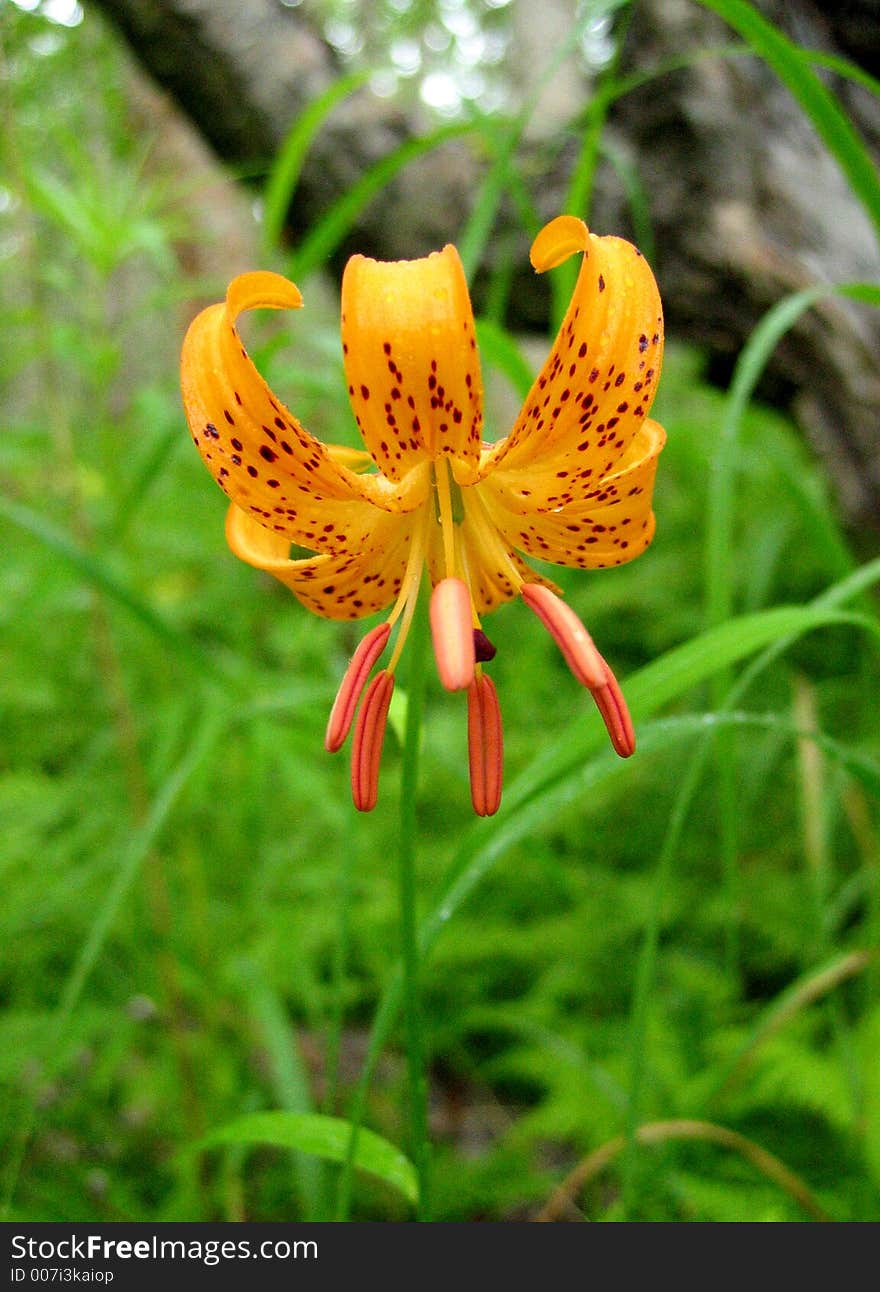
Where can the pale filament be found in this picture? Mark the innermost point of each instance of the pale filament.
(464, 565)
(488, 538)
(444, 500)
(409, 590)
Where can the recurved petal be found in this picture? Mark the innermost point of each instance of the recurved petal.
(610, 524)
(598, 382)
(256, 450)
(341, 586)
(411, 360)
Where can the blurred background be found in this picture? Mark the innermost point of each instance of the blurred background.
(651, 989)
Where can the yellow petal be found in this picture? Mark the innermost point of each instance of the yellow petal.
(342, 586)
(256, 450)
(612, 524)
(598, 383)
(411, 361)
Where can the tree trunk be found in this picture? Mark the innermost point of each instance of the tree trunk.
(746, 203)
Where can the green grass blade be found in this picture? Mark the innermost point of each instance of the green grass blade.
(804, 991)
(335, 224)
(475, 236)
(720, 506)
(791, 65)
(579, 197)
(290, 1080)
(140, 842)
(498, 347)
(844, 68)
(324, 1137)
(288, 164)
(673, 675)
(749, 367)
(99, 575)
(636, 196)
(147, 475)
(720, 546)
(139, 845)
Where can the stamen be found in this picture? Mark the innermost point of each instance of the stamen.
(588, 666)
(452, 631)
(485, 746)
(444, 502)
(353, 683)
(615, 714)
(492, 549)
(369, 735)
(409, 589)
(569, 634)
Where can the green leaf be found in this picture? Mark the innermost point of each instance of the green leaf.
(498, 347)
(327, 234)
(791, 65)
(505, 141)
(98, 574)
(749, 367)
(636, 196)
(289, 160)
(324, 1137)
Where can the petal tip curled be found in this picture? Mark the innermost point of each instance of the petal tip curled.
(563, 237)
(262, 290)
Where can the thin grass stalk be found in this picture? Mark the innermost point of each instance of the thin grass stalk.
(131, 863)
(579, 196)
(406, 862)
(403, 990)
(805, 992)
(340, 961)
(819, 858)
(719, 582)
(502, 174)
(719, 569)
(770, 1166)
(644, 982)
(645, 973)
(107, 661)
(791, 64)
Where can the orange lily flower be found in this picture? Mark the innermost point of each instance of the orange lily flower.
(570, 484)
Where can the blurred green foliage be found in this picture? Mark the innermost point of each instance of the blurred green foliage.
(196, 926)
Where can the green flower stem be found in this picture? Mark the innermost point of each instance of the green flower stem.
(417, 652)
(405, 988)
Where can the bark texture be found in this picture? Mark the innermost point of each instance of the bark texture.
(746, 203)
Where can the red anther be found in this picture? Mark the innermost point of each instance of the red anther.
(452, 631)
(352, 684)
(615, 714)
(569, 634)
(485, 746)
(369, 734)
